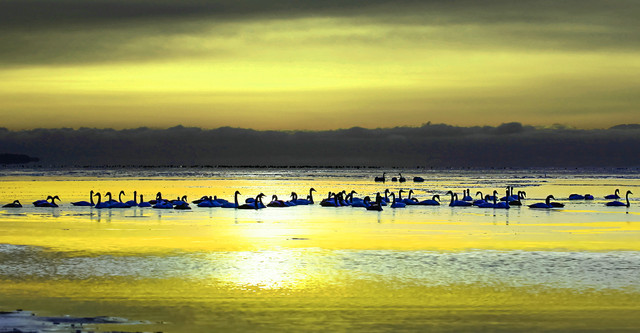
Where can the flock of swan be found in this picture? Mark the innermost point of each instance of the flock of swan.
(333, 199)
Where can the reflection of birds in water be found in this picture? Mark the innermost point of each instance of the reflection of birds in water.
(14, 204)
(618, 203)
(85, 203)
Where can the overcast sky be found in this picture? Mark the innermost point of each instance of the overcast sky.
(318, 64)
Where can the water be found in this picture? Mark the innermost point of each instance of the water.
(312, 268)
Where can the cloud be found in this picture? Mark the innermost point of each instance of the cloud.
(430, 145)
(97, 31)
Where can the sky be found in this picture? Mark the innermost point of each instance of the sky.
(318, 65)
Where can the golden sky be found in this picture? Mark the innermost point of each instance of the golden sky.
(287, 64)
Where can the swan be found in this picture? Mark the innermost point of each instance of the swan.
(330, 200)
(467, 195)
(85, 203)
(276, 203)
(481, 200)
(399, 199)
(161, 203)
(575, 196)
(203, 198)
(394, 179)
(133, 203)
(618, 203)
(588, 197)
(119, 203)
(14, 204)
(614, 195)
(309, 200)
(409, 200)
(37, 203)
(142, 203)
(181, 204)
(396, 204)
(521, 195)
(546, 204)
(46, 203)
(376, 205)
(455, 202)
(431, 202)
(504, 204)
(418, 179)
(234, 204)
(487, 204)
(255, 205)
(380, 179)
(401, 179)
(208, 202)
(100, 204)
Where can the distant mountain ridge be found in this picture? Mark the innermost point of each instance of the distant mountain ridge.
(429, 145)
(16, 159)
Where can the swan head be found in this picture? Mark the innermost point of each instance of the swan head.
(312, 190)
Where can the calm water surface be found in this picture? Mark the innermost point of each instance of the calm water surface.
(311, 268)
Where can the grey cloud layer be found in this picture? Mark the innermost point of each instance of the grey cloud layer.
(72, 31)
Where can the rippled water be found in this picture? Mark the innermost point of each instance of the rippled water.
(312, 268)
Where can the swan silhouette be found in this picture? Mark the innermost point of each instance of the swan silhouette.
(376, 206)
(618, 203)
(546, 204)
(46, 203)
(143, 203)
(614, 195)
(418, 179)
(396, 204)
(133, 203)
(455, 202)
(14, 204)
(431, 202)
(99, 204)
(256, 204)
(276, 203)
(85, 203)
(380, 179)
(235, 202)
(401, 179)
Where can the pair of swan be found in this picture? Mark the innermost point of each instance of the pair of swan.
(617, 203)
(46, 203)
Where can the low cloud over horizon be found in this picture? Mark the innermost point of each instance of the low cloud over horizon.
(430, 145)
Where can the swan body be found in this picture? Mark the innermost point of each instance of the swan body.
(255, 205)
(133, 203)
(614, 195)
(546, 204)
(376, 206)
(143, 203)
(85, 203)
(380, 179)
(575, 196)
(396, 204)
(401, 178)
(409, 200)
(228, 204)
(276, 203)
(208, 203)
(46, 203)
(418, 179)
(467, 195)
(99, 204)
(620, 204)
(431, 202)
(14, 204)
(455, 202)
